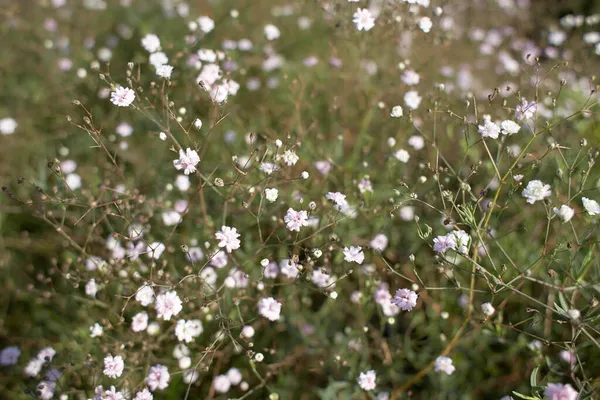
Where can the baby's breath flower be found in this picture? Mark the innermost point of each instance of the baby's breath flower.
(536, 190)
(366, 380)
(591, 206)
(122, 97)
(444, 364)
(363, 19)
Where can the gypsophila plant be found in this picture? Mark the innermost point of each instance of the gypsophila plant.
(333, 199)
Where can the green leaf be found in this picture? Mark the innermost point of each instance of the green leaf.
(587, 262)
(524, 396)
(533, 377)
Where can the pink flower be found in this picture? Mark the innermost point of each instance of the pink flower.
(295, 219)
(113, 366)
(168, 304)
(158, 377)
(269, 308)
(354, 254)
(526, 110)
(187, 161)
(228, 238)
(122, 97)
(558, 391)
(366, 380)
(406, 299)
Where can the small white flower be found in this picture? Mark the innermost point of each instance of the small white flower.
(8, 126)
(402, 155)
(488, 309)
(198, 123)
(379, 242)
(188, 330)
(591, 206)
(269, 308)
(167, 305)
(444, 364)
(139, 322)
(564, 212)
(145, 295)
(155, 250)
(366, 380)
(162, 136)
(113, 366)
(295, 219)
(235, 376)
(271, 32)
(206, 24)
(416, 142)
(187, 161)
(221, 384)
(91, 288)
(354, 254)
(412, 99)
(164, 71)
(122, 97)
(405, 299)
(509, 127)
(158, 377)
(96, 330)
(396, 112)
(425, 24)
(271, 194)
(151, 43)
(410, 77)
(489, 129)
(363, 19)
(290, 158)
(536, 190)
(441, 244)
(157, 59)
(228, 238)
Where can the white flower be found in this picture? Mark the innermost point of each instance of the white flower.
(221, 384)
(425, 24)
(509, 127)
(354, 254)
(235, 376)
(295, 220)
(488, 309)
(123, 129)
(198, 123)
(525, 110)
(416, 142)
(164, 71)
(410, 77)
(444, 364)
(206, 24)
(337, 197)
(167, 305)
(396, 112)
(366, 380)
(405, 299)
(8, 126)
(96, 330)
(443, 243)
(536, 190)
(155, 250)
(564, 212)
(363, 19)
(402, 155)
(162, 136)
(268, 168)
(151, 43)
(228, 238)
(271, 194)
(462, 240)
(489, 129)
(157, 59)
(158, 377)
(145, 295)
(139, 322)
(34, 367)
(91, 288)
(113, 366)
(558, 391)
(271, 32)
(9, 355)
(591, 206)
(73, 181)
(287, 267)
(144, 395)
(187, 161)
(269, 308)
(188, 330)
(379, 242)
(320, 278)
(122, 97)
(290, 157)
(412, 99)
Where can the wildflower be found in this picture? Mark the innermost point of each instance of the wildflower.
(412, 99)
(164, 71)
(123, 130)
(379, 242)
(564, 212)
(354, 254)
(591, 206)
(536, 190)
(320, 278)
(151, 43)
(221, 384)
(444, 364)
(509, 127)
(228, 238)
(198, 123)
(290, 157)
(188, 330)
(410, 77)
(96, 330)
(441, 244)
(158, 59)
(155, 250)
(525, 110)
(337, 197)
(295, 220)
(365, 184)
(144, 395)
(45, 391)
(568, 356)
(489, 129)
(91, 288)
(145, 295)
(248, 331)
(206, 24)
(488, 309)
(323, 167)
(269, 308)
(112, 394)
(139, 322)
(405, 299)
(122, 97)
(113, 366)
(402, 155)
(366, 380)
(167, 305)
(271, 194)
(558, 391)
(158, 377)
(235, 376)
(268, 168)
(271, 32)
(8, 126)
(363, 19)
(187, 161)
(425, 24)
(9, 355)
(34, 367)
(462, 239)
(288, 268)
(73, 181)
(396, 112)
